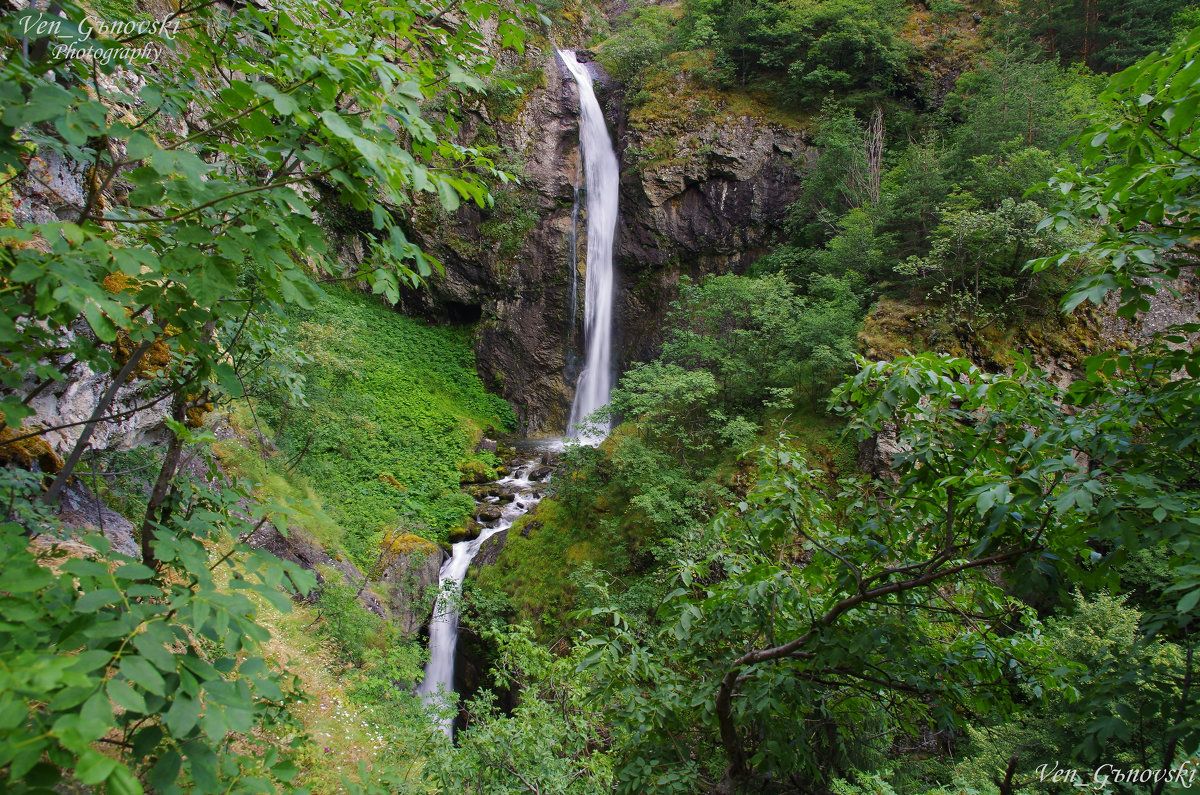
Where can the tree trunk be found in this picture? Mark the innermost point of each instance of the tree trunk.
(157, 512)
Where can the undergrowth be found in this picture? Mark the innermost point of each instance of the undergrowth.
(394, 408)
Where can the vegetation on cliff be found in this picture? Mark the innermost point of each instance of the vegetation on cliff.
(723, 596)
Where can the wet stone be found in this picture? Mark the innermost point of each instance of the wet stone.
(489, 513)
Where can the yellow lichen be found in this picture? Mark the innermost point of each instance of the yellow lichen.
(118, 283)
(397, 544)
(196, 415)
(28, 451)
(153, 361)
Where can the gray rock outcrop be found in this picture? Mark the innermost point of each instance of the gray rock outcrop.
(294, 547)
(79, 509)
(410, 582)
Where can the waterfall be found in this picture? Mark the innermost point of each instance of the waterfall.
(438, 685)
(600, 185)
(573, 261)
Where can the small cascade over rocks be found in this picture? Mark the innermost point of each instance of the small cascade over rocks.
(498, 505)
(600, 183)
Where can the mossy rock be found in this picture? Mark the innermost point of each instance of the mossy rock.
(474, 471)
(489, 512)
(468, 532)
(27, 452)
(403, 544)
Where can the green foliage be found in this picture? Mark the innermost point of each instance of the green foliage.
(1104, 34)
(510, 222)
(356, 631)
(835, 183)
(841, 47)
(553, 741)
(1137, 683)
(645, 36)
(949, 217)
(751, 337)
(1014, 98)
(1139, 191)
(123, 479)
(801, 603)
(823, 594)
(173, 272)
(393, 405)
(165, 665)
(976, 263)
(509, 86)
(197, 230)
(1137, 185)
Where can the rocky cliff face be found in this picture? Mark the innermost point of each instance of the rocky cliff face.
(699, 195)
(709, 199)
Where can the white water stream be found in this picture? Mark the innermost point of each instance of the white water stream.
(600, 178)
(438, 685)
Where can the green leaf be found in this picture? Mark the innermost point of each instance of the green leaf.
(165, 772)
(125, 696)
(91, 602)
(155, 651)
(94, 767)
(121, 782)
(337, 125)
(182, 716)
(447, 194)
(134, 571)
(228, 379)
(137, 669)
(103, 327)
(140, 146)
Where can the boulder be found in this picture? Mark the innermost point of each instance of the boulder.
(80, 509)
(875, 453)
(489, 550)
(489, 512)
(409, 580)
(467, 533)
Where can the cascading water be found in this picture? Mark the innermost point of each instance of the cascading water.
(573, 261)
(525, 492)
(600, 184)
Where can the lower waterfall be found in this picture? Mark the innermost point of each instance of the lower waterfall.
(523, 485)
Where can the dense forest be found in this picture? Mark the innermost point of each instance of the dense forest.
(895, 489)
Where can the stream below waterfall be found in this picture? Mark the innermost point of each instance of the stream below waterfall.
(498, 504)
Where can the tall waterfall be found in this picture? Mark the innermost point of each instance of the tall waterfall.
(573, 262)
(600, 184)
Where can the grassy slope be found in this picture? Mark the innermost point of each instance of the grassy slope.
(395, 406)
